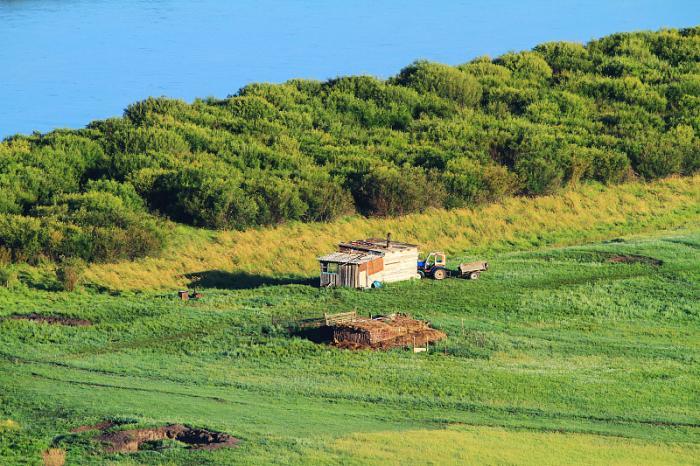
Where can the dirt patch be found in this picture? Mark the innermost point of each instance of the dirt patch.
(382, 333)
(634, 259)
(53, 320)
(126, 441)
(104, 425)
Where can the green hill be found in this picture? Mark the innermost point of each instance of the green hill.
(433, 136)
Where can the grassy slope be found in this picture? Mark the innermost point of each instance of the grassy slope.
(587, 213)
(479, 445)
(564, 357)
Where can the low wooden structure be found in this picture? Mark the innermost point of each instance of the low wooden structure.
(384, 332)
(359, 264)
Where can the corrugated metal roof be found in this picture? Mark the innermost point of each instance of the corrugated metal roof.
(347, 258)
(377, 244)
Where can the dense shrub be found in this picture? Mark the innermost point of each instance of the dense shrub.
(432, 136)
(395, 191)
(468, 182)
(445, 81)
(526, 65)
(69, 272)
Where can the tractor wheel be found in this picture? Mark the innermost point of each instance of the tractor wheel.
(439, 274)
(474, 275)
(421, 274)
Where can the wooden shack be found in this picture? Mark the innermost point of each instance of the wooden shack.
(358, 264)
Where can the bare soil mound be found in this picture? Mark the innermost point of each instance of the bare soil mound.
(125, 441)
(53, 320)
(634, 259)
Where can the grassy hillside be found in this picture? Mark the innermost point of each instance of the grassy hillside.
(433, 136)
(555, 356)
(287, 254)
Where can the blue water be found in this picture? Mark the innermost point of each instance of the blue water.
(64, 63)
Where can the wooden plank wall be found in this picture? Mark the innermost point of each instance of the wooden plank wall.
(347, 275)
(399, 265)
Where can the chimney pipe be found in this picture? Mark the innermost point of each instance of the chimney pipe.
(388, 239)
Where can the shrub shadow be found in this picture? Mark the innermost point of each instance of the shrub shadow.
(43, 282)
(242, 280)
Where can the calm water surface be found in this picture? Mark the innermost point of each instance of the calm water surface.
(66, 62)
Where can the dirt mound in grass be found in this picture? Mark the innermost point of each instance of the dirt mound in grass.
(634, 259)
(53, 320)
(125, 441)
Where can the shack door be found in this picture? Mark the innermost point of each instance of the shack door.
(347, 275)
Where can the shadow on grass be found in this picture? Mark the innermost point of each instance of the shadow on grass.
(41, 282)
(242, 280)
(321, 334)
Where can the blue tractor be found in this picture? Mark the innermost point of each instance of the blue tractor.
(434, 266)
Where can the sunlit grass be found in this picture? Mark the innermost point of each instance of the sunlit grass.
(482, 445)
(587, 213)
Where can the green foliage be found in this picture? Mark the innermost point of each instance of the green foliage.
(8, 276)
(447, 82)
(468, 182)
(526, 65)
(434, 135)
(395, 191)
(563, 57)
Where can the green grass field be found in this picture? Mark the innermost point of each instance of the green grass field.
(555, 356)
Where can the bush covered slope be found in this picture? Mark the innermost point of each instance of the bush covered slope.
(432, 136)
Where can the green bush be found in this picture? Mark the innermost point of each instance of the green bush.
(69, 273)
(443, 80)
(396, 191)
(8, 276)
(526, 65)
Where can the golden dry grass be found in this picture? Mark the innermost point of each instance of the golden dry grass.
(487, 445)
(8, 424)
(583, 214)
(54, 457)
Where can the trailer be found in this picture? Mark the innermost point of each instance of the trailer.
(472, 270)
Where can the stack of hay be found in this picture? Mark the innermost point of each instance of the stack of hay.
(384, 332)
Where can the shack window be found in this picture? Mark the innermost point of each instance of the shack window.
(329, 267)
